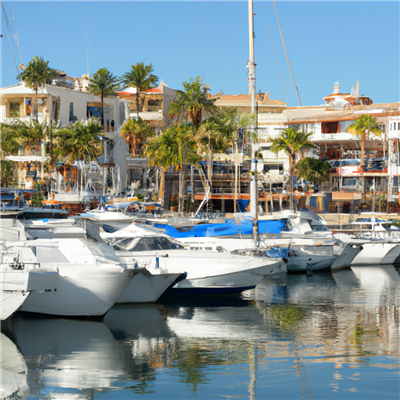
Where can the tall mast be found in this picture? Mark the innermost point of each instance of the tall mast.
(251, 67)
(252, 93)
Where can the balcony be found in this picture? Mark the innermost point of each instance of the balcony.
(23, 119)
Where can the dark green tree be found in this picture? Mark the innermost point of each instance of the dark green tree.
(134, 131)
(103, 83)
(363, 127)
(140, 77)
(290, 141)
(193, 102)
(313, 170)
(11, 138)
(36, 75)
(81, 141)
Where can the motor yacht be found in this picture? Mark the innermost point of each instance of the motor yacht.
(19, 279)
(90, 279)
(380, 241)
(207, 272)
(301, 254)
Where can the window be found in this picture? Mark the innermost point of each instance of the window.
(121, 244)
(348, 163)
(71, 112)
(14, 110)
(155, 243)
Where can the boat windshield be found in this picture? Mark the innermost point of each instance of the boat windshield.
(155, 243)
(145, 244)
(320, 228)
(121, 243)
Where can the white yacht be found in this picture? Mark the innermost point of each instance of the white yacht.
(90, 276)
(301, 254)
(18, 279)
(380, 242)
(207, 272)
(146, 286)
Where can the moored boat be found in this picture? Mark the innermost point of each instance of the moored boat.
(207, 272)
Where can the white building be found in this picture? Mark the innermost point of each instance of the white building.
(59, 104)
(63, 104)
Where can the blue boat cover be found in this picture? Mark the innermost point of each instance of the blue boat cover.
(277, 252)
(228, 228)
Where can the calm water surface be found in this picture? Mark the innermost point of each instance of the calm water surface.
(328, 336)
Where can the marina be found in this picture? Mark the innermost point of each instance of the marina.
(186, 243)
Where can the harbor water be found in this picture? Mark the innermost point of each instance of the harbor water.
(331, 335)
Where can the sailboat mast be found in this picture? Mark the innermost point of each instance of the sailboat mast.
(252, 93)
(251, 66)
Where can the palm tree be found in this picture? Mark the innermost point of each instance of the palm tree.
(36, 75)
(134, 131)
(364, 126)
(103, 83)
(174, 148)
(193, 102)
(140, 77)
(290, 141)
(162, 152)
(81, 140)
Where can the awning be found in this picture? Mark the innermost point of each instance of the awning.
(343, 196)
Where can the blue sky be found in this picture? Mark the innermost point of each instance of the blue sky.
(326, 42)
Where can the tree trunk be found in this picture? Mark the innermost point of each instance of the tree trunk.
(291, 181)
(134, 144)
(102, 108)
(180, 191)
(137, 103)
(36, 105)
(192, 182)
(161, 191)
(363, 164)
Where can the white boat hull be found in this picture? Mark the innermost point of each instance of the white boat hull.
(209, 271)
(377, 253)
(304, 253)
(147, 288)
(11, 301)
(17, 283)
(235, 282)
(81, 290)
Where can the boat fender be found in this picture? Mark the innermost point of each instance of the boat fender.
(157, 262)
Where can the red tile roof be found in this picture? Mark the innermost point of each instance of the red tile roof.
(154, 90)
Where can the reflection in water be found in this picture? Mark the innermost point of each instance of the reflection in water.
(330, 335)
(13, 370)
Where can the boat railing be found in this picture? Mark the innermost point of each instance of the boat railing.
(379, 235)
(20, 266)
